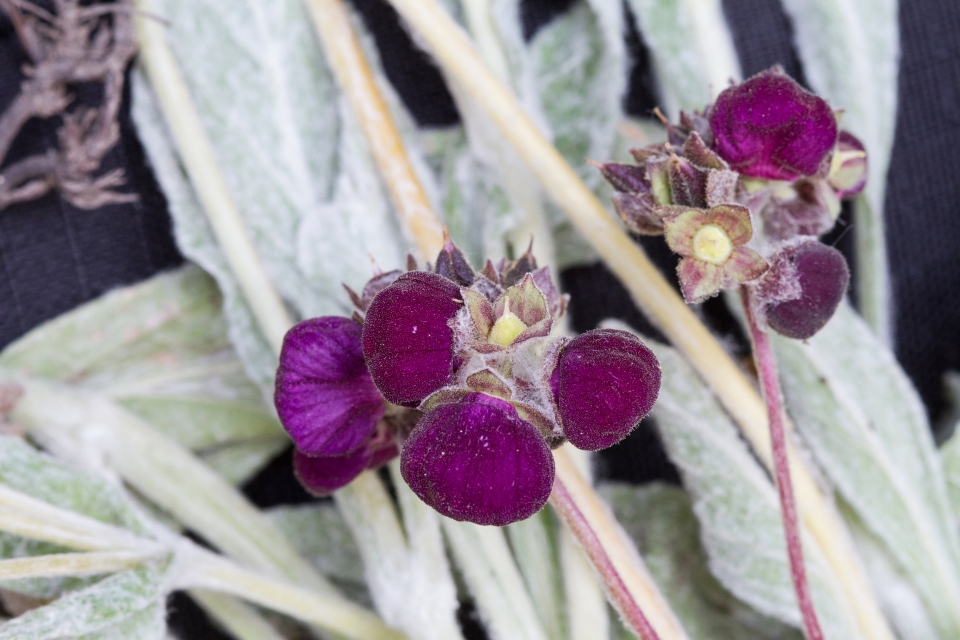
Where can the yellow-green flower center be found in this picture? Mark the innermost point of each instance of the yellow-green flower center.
(507, 327)
(711, 243)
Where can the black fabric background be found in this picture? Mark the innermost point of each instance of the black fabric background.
(54, 256)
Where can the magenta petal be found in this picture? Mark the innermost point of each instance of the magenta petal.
(476, 460)
(407, 341)
(322, 475)
(823, 276)
(604, 383)
(770, 127)
(324, 395)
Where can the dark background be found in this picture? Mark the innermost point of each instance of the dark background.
(54, 256)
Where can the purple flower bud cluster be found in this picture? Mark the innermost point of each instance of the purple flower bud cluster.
(458, 373)
(767, 156)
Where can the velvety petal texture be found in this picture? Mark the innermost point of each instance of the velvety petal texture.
(476, 460)
(322, 475)
(407, 340)
(770, 127)
(605, 381)
(848, 167)
(823, 276)
(325, 397)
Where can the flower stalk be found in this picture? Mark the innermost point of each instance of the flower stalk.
(454, 52)
(770, 386)
(624, 576)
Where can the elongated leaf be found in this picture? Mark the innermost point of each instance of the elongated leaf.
(28, 471)
(897, 595)
(737, 505)
(660, 520)
(127, 605)
(239, 461)
(950, 455)
(161, 349)
(401, 577)
(494, 581)
(320, 533)
(866, 426)
(534, 543)
(692, 50)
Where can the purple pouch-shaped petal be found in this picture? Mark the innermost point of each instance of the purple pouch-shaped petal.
(476, 460)
(823, 276)
(605, 381)
(324, 395)
(770, 127)
(322, 475)
(407, 341)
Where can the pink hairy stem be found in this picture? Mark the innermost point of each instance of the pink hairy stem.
(770, 385)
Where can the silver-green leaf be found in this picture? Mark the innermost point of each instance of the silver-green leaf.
(868, 429)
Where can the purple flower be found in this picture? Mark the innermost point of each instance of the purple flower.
(407, 340)
(605, 381)
(476, 460)
(816, 278)
(322, 475)
(770, 127)
(324, 395)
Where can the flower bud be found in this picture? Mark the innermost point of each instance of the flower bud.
(325, 397)
(770, 127)
(848, 167)
(604, 382)
(822, 275)
(475, 460)
(407, 340)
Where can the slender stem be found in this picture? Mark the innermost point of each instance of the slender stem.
(626, 579)
(648, 288)
(205, 570)
(332, 23)
(72, 564)
(770, 385)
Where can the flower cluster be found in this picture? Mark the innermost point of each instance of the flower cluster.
(457, 372)
(766, 155)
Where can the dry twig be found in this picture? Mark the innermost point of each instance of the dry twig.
(75, 44)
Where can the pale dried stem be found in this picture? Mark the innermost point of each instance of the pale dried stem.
(770, 385)
(72, 564)
(649, 289)
(336, 34)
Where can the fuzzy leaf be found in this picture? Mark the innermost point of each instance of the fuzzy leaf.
(160, 348)
(36, 474)
(692, 50)
(660, 520)
(736, 503)
(292, 155)
(896, 593)
(320, 534)
(128, 606)
(866, 426)
(239, 461)
(579, 64)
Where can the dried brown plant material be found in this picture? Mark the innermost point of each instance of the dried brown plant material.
(73, 44)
